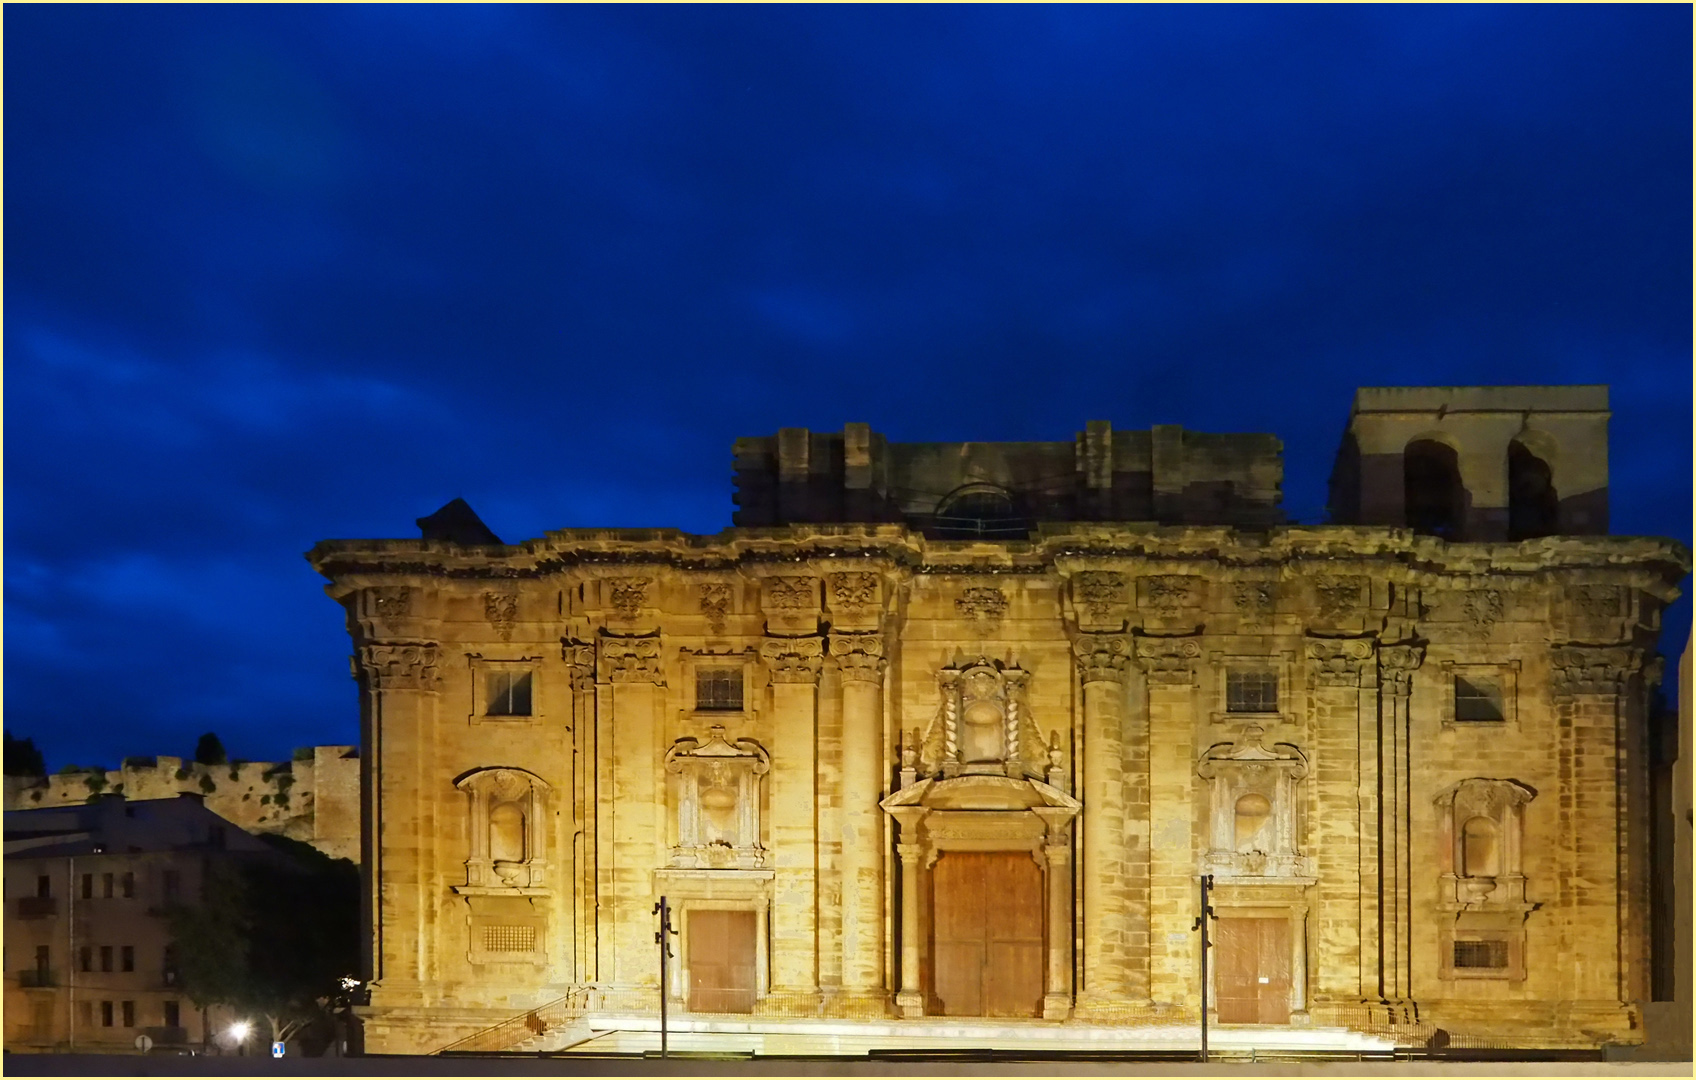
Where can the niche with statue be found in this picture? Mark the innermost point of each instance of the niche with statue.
(717, 795)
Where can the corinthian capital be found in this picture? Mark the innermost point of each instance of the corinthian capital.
(400, 666)
(631, 660)
(1102, 657)
(793, 659)
(579, 659)
(1396, 665)
(858, 656)
(1168, 660)
(1332, 662)
(1592, 669)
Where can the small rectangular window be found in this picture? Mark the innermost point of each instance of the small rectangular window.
(1481, 954)
(127, 884)
(1250, 690)
(88, 886)
(172, 885)
(44, 886)
(173, 1016)
(85, 1014)
(105, 1014)
(43, 960)
(126, 958)
(718, 689)
(105, 958)
(129, 1014)
(85, 958)
(106, 884)
(508, 693)
(1478, 698)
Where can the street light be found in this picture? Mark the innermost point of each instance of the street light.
(238, 1033)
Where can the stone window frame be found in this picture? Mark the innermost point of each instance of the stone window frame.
(1281, 664)
(482, 666)
(1514, 938)
(1506, 674)
(693, 660)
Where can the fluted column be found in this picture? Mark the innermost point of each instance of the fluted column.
(793, 664)
(859, 659)
(1102, 660)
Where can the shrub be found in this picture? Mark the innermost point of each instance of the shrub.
(207, 784)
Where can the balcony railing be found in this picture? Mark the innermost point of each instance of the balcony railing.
(38, 907)
(38, 977)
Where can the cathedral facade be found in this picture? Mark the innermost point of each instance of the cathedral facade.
(959, 729)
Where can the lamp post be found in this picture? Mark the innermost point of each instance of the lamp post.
(1201, 924)
(662, 938)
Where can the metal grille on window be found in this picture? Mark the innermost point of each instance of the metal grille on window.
(1478, 698)
(1481, 954)
(509, 693)
(509, 939)
(1251, 691)
(718, 689)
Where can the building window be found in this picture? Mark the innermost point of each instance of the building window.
(106, 885)
(173, 1015)
(127, 883)
(1249, 690)
(173, 883)
(105, 958)
(129, 1014)
(1481, 954)
(85, 958)
(169, 968)
(1432, 494)
(1478, 698)
(85, 1014)
(718, 689)
(126, 958)
(508, 693)
(44, 886)
(88, 886)
(105, 1014)
(43, 962)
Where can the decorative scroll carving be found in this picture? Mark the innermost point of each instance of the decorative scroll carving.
(631, 660)
(1102, 657)
(1482, 824)
(984, 603)
(1254, 597)
(391, 601)
(1252, 823)
(852, 591)
(1396, 665)
(1170, 661)
(858, 656)
(1100, 593)
(1483, 608)
(1592, 669)
(501, 609)
(627, 596)
(718, 801)
(400, 666)
(790, 593)
(793, 659)
(579, 657)
(983, 724)
(1339, 595)
(715, 603)
(1332, 662)
(1169, 592)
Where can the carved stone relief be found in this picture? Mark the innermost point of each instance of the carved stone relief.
(793, 659)
(982, 723)
(391, 666)
(718, 801)
(858, 656)
(790, 593)
(501, 609)
(1168, 661)
(715, 603)
(1169, 593)
(982, 604)
(629, 660)
(1332, 662)
(853, 591)
(627, 596)
(1252, 820)
(1100, 598)
(1592, 669)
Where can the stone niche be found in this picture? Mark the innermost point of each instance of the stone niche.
(1482, 829)
(508, 831)
(1252, 827)
(717, 795)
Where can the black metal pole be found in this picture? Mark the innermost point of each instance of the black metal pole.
(1201, 924)
(662, 938)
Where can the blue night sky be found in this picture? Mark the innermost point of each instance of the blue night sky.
(275, 275)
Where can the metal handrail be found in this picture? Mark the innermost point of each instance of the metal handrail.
(516, 1029)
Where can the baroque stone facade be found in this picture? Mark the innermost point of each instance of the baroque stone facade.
(882, 771)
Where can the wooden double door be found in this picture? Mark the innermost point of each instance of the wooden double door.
(1252, 970)
(986, 934)
(723, 961)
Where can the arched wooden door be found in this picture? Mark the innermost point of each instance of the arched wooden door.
(987, 934)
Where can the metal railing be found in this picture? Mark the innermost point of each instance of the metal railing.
(528, 1024)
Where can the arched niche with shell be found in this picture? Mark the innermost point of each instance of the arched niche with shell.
(717, 796)
(508, 828)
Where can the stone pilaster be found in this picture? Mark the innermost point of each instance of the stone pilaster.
(634, 677)
(399, 681)
(1102, 661)
(859, 659)
(910, 1001)
(1169, 667)
(1396, 665)
(579, 658)
(793, 664)
(1057, 861)
(1339, 671)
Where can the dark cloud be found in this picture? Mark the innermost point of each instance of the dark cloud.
(276, 274)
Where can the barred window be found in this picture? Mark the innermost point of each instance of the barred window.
(1478, 698)
(509, 693)
(718, 689)
(509, 939)
(1481, 954)
(1251, 690)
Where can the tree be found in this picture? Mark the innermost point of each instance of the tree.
(22, 758)
(274, 934)
(210, 750)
